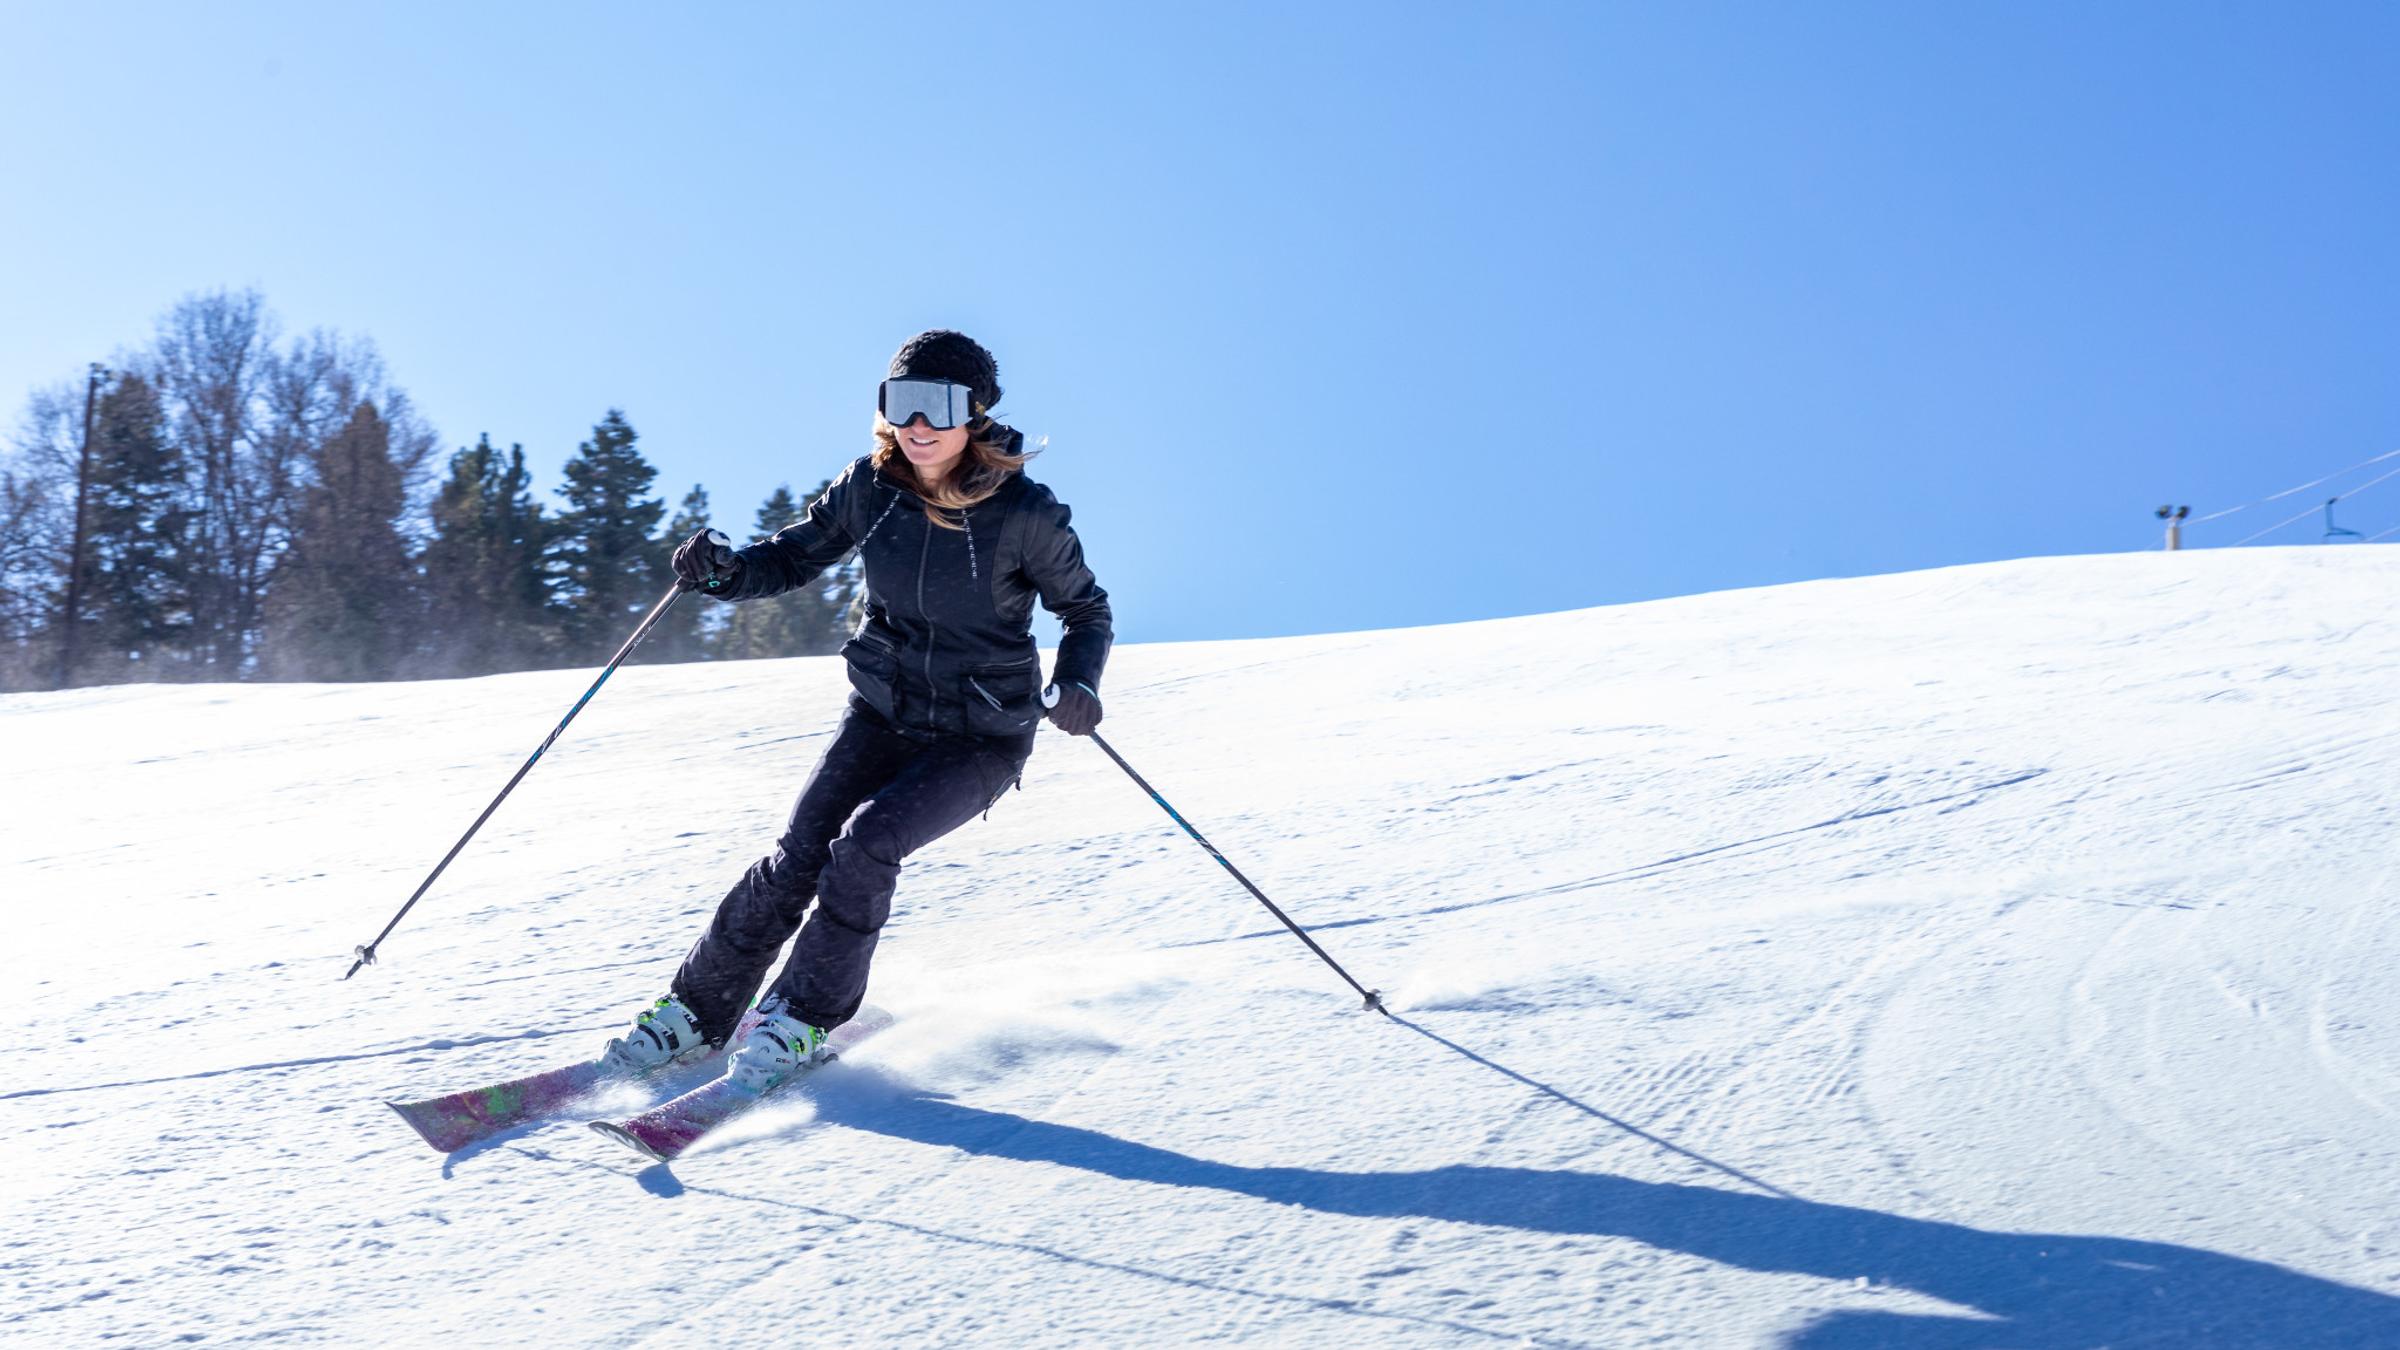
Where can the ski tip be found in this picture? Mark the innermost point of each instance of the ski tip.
(407, 1111)
(609, 1129)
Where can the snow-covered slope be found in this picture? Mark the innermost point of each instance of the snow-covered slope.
(1998, 955)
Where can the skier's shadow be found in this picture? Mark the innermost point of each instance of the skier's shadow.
(2034, 1289)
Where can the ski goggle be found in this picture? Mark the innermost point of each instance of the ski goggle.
(942, 404)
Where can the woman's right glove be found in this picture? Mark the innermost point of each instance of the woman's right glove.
(706, 562)
(1077, 709)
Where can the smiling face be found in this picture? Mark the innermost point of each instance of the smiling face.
(932, 453)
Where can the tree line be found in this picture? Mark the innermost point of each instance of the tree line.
(223, 503)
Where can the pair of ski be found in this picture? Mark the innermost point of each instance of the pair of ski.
(454, 1120)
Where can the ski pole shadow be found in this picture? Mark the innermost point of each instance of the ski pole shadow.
(1595, 1112)
(2049, 1291)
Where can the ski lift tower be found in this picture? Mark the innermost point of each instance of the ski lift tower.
(2333, 531)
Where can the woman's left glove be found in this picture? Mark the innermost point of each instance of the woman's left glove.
(1077, 710)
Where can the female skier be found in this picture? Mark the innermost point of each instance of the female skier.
(956, 543)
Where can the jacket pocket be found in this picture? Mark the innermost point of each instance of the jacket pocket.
(1004, 698)
(874, 671)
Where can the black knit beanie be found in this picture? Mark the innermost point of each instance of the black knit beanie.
(942, 354)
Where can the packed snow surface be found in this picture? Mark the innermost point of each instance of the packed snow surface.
(1991, 956)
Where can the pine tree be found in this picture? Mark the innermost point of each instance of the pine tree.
(691, 630)
(137, 548)
(811, 621)
(606, 567)
(487, 606)
(343, 602)
(777, 511)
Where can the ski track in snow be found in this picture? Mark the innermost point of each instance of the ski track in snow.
(1990, 956)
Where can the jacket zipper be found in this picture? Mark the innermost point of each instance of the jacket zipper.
(871, 529)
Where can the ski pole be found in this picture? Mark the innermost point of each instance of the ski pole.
(366, 953)
(1374, 997)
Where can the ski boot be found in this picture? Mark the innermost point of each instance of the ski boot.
(664, 1034)
(778, 1046)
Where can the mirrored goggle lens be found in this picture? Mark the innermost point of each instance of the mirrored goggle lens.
(944, 405)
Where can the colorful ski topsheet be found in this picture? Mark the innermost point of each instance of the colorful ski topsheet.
(664, 1132)
(455, 1120)
(452, 1122)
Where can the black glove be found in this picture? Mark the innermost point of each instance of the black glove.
(706, 562)
(1077, 710)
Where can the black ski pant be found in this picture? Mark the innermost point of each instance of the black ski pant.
(879, 794)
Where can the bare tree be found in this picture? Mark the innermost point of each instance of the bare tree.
(241, 431)
(210, 358)
(310, 392)
(37, 492)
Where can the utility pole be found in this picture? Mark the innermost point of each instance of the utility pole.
(72, 621)
(2174, 516)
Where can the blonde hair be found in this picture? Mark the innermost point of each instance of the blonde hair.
(980, 472)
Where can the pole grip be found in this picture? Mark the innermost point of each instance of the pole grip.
(720, 555)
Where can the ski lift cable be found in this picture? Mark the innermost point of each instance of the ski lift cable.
(2380, 534)
(2216, 515)
(2292, 520)
(2389, 473)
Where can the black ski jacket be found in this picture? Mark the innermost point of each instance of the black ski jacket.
(947, 645)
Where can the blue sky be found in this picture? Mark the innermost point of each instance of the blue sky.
(1336, 316)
